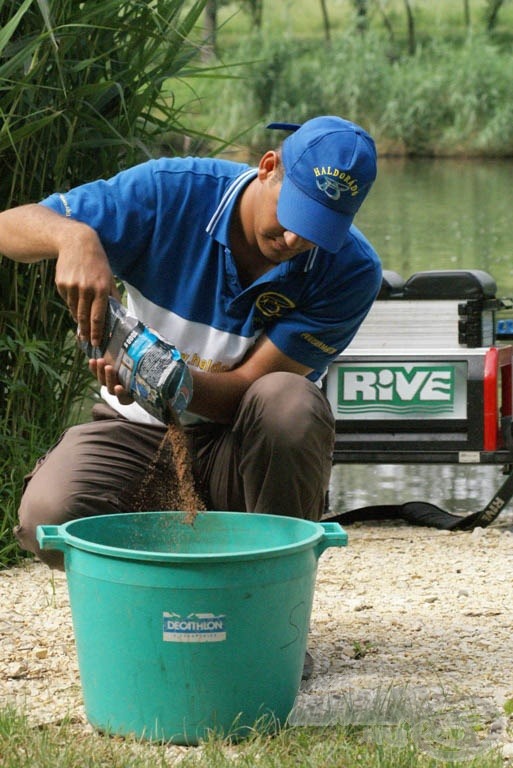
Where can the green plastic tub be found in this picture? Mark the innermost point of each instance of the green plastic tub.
(184, 629)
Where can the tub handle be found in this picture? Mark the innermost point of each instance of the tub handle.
(334, 536)
(50, 537)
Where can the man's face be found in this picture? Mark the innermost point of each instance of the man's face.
(275, 242)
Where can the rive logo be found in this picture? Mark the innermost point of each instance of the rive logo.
(399, 389)
(194, 628)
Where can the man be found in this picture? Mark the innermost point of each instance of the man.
(257, 276)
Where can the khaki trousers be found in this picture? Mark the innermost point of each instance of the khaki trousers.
(275, 459)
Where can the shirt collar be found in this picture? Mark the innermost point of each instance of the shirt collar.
(219, 225)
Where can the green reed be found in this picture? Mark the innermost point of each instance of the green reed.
(85, 89)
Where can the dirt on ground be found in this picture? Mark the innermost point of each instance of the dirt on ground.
(408, 623)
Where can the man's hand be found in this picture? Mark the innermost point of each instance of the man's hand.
(84, 280)
(106, 374)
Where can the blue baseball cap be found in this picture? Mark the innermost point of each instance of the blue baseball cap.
(330, 165)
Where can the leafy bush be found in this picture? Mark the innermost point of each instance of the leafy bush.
(445, 99)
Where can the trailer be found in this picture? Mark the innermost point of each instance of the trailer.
(428, 378)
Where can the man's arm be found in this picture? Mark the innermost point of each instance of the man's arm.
(83, 277)
(216, 396)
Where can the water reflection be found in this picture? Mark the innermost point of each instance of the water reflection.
(457, 489)
(442, 214)
(435, 214)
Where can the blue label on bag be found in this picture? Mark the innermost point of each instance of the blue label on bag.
(194, 628)
(138, 342)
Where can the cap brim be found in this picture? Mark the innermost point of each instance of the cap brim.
(310, 220)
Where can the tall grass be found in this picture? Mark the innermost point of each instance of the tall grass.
(84, 90)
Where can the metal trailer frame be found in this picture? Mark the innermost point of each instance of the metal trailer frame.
(429, 378)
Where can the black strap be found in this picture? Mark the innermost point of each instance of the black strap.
(426, 514)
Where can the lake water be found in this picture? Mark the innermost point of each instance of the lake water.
(435, 214)
(442, 214)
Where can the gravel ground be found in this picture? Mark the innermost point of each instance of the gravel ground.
(408, 623)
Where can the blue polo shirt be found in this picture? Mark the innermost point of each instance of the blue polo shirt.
(164, 225)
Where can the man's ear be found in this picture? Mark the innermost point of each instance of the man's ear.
(268, 164)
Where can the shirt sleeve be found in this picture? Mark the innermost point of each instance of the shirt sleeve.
(326, 319)
(120, 209)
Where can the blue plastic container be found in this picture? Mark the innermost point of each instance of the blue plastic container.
(186, 629)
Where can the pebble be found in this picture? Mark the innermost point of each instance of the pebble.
(507, 750)
(499, 726)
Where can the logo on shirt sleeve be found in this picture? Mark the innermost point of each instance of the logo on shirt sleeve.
(318, 343)
(273, 304)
